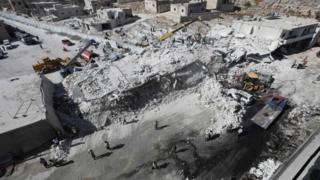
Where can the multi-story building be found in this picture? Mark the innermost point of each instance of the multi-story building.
(287, 33)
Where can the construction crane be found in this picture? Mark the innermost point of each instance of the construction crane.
(169, 34)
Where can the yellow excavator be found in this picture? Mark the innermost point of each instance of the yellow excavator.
(169, 34)
(252, 83)
(47, 65)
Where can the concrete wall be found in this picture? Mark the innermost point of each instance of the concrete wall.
(52, 28)
(150, 6)
(213, 4)
(163, 6)
(19, 6)
(186, 9)
(48, 89)
(3, 32)
(155, 6)
(21, 141)
(63, 12)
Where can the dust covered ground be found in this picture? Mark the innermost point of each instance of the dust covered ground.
(180, 85)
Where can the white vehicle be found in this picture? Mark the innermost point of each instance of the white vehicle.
(7, 44)
(240, 95)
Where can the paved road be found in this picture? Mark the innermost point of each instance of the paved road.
(220, 158)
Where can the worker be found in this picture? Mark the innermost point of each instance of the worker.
(44, 163)
(156, 125)
(90, 151)
(173, 149)
(4, 49)
(41, 45)
(154, 165)
(107, 145)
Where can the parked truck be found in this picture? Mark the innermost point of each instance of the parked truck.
(273, 108)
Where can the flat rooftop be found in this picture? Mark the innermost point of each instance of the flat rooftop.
(283, 22)
(20, 102)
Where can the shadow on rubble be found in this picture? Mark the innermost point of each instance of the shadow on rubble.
(70, 116)
(159, 86)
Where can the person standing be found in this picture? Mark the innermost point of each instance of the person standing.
(154, 165)
(107, 145)
(90, 151)
(44, 163)
(156, 125)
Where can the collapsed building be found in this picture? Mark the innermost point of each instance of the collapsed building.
(286, 33)
(107, 19)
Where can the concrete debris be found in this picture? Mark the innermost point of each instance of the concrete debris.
(265, 169)
(198, 86)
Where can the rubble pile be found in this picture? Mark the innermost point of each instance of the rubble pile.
(225, 110)
(264, 170)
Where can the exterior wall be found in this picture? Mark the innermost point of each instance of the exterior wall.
(3, 32)
(222, 5)
(188, 8)
(150, 6)
(19, 6)
(93, 5)
(197, 7)
(48, 89)
(4, 4)
(155, 6)
(127, 1)
(24, 140)
(38, 8)
(65, 11)
(213, 4)
(195, 16)
(163, 6)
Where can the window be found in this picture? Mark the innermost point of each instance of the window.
(174, 9)
(182, 10)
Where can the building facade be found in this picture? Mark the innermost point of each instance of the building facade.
(156, 6)
(286, 33)
(3, 32)
(107, 19)
(186, 9)
(61, 11)
(19, 6)
(222, 5)
(92, 6)
(38, 8)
